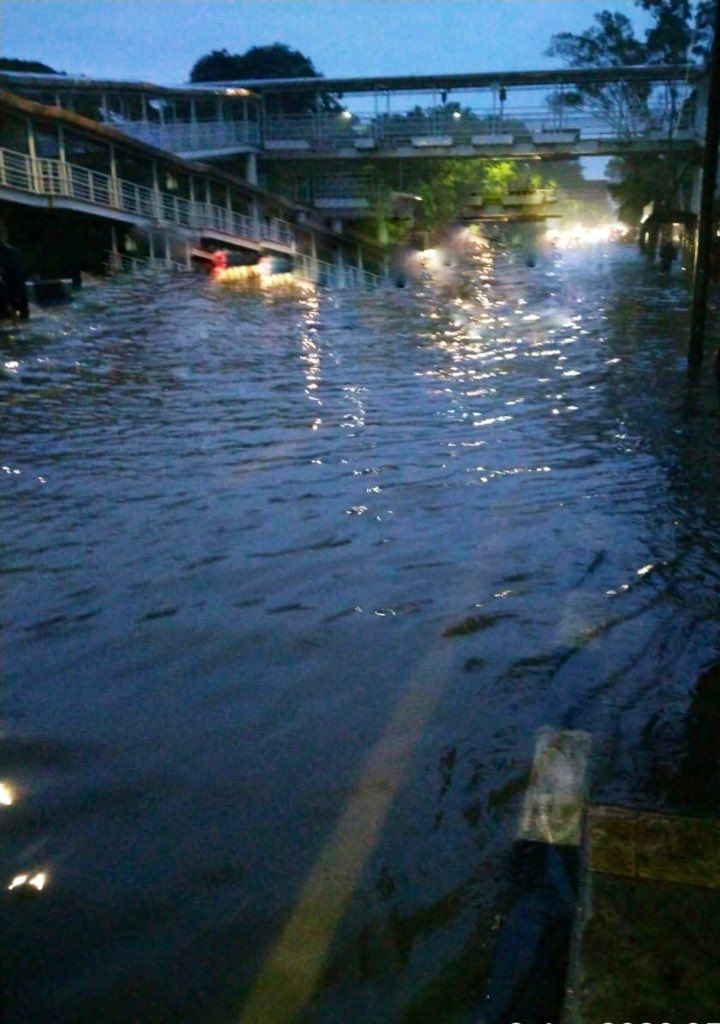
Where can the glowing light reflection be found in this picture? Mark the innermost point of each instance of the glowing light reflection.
(580, 235)
(37, 881)
(260, 276)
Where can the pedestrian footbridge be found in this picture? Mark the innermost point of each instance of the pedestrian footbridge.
(127, 152)
(518, 115)
(521, 114)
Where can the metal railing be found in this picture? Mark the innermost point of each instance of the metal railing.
(278, 231)
(123, 263)
(332, 131)
(48, 177)
(319, 272)
(55, 178)
(333, 275)
(193, 136)
(337, 186)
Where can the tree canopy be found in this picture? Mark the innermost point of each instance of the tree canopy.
(35, 66)
(275, 61)
(443, 186)
(636, 181)
(610, 41)
(680, 32)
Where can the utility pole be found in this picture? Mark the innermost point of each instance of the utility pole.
(705, 234)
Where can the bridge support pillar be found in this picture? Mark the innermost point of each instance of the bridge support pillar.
(251, 172)
(705, 229)
(340, 267)
(255, 218)
(696, 190)
(313, 258)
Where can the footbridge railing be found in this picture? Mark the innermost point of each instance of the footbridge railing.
(330, 132)
(55, 178)
(190, 137)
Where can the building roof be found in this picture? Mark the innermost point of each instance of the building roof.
(374, 83)
(487, 79)
(66, 83)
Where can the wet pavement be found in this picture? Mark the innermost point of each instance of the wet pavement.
(291, 589)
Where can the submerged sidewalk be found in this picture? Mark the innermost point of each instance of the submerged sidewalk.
(647, 938)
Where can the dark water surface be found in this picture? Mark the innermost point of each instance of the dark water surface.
(289, 588)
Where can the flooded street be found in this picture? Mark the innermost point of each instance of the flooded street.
(289, 588)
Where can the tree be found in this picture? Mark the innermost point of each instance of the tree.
(34, 66)
(679, 33)
(445, 187)
(216, 66)
(636, 181)
(275, 61)
(610, 42)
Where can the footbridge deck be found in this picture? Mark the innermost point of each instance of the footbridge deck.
(552, 114)
(519, 114)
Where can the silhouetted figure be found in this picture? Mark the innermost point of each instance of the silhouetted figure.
(715, 262)
(402, 269)
(668, 255)
(13, 294)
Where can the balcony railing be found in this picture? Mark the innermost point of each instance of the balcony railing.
(46, 177)
(316, 272)
(122, 263)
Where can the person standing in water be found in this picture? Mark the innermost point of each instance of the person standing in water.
(668, 255)
(13, 290)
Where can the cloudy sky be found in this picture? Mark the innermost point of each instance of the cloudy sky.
(159, 40)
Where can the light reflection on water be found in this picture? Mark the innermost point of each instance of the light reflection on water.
(290, 587)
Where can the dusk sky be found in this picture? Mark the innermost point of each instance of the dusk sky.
(159, 40)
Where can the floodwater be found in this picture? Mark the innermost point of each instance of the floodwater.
(290, 586)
